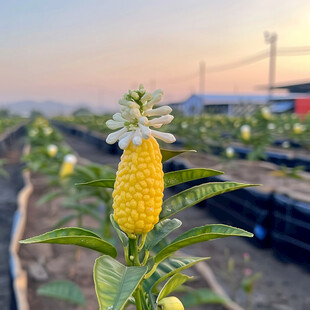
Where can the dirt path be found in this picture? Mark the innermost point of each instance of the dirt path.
(9, 187)
(282, 286)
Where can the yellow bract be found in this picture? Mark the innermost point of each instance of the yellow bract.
(66, 169)
(171, 303)
(138, 189)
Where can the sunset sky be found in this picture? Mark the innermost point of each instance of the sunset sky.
(93, 51)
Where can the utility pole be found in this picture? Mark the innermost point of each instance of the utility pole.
(271, 38)
(202, 77)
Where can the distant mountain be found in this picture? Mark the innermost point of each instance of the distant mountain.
(48, 108)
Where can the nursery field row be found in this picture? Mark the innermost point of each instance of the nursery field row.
(274, 288)
(291, 151)
(278, 212)
(88, 207)
(65, 204)
(204, 132)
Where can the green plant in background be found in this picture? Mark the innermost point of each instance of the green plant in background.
(56, 162)
(240, 281)
(286, 172)
(140, 219)
(257, 134)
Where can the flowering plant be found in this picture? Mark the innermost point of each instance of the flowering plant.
(141, 219)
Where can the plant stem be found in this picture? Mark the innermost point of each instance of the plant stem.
(133, 250)
(138, 299)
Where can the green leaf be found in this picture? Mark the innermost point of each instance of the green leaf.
(167, 154)
(160, 231)
(65, 220)
(201, 297)
(122, 236)
(196, 194)
(181, 176)
(200, 234)
(107, 183)
(175, 281)
(49, 197)
(76, 236)
(168, 268)
(63, 290)
(115, 283)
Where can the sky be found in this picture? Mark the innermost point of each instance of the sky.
(93, 51)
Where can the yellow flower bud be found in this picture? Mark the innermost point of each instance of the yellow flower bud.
(266, 113)
(67, 167)
(245, 132)
(138, 189)
(171, 303)
(298, 129)
(230, 152)
(52, 150)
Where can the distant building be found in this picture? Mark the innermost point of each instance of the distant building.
(238, 104)
(230, 104)
(298, 100)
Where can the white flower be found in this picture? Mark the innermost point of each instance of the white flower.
(230, 152)
(133, 121)
(70, 158)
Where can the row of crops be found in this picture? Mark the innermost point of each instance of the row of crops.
(205, 132)
(84, 191)
(9, 122)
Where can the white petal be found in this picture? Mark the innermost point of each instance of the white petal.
(124, 135)
(143, 120)
(135, 113)
(118, 117)
(124, 102)
(146, 97)
(161, 120)
(157, 125)
(137, 138)
(146, 131)
(124, 142)
(166, 137)
(114, 136)
(159, 111)
(70, 158)
(134, 95)
(158, 92)
(151, 103)
(114, 124)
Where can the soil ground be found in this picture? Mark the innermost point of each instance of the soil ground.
(282, 286)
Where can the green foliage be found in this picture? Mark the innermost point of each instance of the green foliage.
(175, 281)
(201, 297)
(200, 234)
(115, 283)
(196, 194)
(76, 236)
(63, 290)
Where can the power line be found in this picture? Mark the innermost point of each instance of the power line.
(284, 51)
(240, 63)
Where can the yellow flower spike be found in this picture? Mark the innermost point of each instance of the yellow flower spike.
(67, 167)
(52, 150)
(171, 303)
(139, 184)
